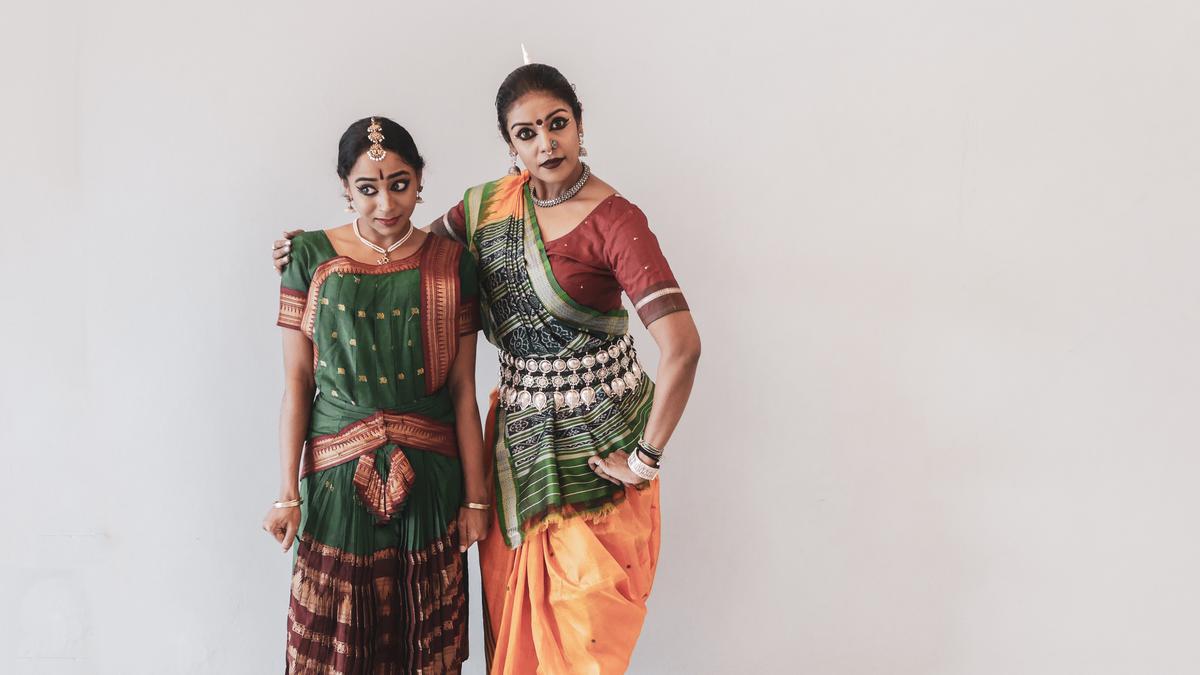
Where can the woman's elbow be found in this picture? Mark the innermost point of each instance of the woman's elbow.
(686, 351)
(299, 386)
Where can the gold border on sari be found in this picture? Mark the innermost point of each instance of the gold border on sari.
(439, 309)
(291, 308)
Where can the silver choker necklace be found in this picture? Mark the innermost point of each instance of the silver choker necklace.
(571, 191)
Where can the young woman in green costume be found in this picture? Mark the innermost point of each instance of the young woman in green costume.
(381, 450)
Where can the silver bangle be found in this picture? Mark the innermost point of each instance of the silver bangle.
(640, 468)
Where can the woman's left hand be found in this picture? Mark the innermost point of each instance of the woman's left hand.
(615, 469)
(472, 526)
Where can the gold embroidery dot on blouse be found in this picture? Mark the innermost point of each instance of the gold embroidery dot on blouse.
(383, 380)
(353, 342)
(410, 342)
(420, 371)
(323, 364)
(396, 312)
(341, 371)
(399, 376)
(341, 307)
(380, 315)
(416, 311)
(333, 335)
(333, 393)
(362, 378)
(324, 301)
(362, 314)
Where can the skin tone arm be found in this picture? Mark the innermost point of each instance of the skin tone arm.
(679, 345)
(299, 386)
(472, 523)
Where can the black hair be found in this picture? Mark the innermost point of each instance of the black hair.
(533, 77)
(395, 139)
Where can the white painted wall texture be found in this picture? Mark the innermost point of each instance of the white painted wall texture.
(942, 256)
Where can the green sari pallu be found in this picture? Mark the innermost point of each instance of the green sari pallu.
(570, 382)
(378, 584)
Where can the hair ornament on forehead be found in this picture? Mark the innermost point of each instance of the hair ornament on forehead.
(376, 151)
(525, 55)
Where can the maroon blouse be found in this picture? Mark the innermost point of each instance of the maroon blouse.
(611, 251)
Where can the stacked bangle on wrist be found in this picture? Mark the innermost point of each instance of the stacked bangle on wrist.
(640, 468)
(650, 451)
(477, 507)
(281, 504)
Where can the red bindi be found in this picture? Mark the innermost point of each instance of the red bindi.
(539, 123)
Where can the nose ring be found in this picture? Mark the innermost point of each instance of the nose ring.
(553, 145)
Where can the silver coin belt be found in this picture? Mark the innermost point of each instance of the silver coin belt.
(569, 382)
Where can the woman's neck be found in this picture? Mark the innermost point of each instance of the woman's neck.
(380, 239)
(544, 190)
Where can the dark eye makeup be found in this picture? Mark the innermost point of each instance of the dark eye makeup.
(396, 186)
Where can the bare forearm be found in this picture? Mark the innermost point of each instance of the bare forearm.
(466, 421)
(673, 387)
(679, 344)
(470, 446)
(293, 429)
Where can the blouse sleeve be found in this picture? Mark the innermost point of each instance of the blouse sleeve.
(293, 285)
(452, 224)
(468, 305)
(641, 269)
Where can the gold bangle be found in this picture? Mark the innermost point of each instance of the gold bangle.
(477, 507)
(288, 504)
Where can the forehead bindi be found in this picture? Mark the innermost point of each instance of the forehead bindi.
(538, 108)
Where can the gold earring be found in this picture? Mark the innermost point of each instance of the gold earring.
(582, 150)
(514, 169)
(349, 204)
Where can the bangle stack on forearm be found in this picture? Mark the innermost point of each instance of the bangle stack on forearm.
(640, 468)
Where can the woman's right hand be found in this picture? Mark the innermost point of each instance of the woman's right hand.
(281, 252)
(283, 525)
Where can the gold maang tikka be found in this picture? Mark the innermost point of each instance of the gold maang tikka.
(376, 152)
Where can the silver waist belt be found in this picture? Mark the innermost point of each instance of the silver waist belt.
(569, 381)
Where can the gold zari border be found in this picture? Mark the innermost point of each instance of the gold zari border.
(381, 428)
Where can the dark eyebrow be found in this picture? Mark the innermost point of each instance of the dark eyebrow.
(529, 124)
(402, 172)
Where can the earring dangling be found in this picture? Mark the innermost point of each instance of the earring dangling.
(349, 204)
(514, 169)
(582, 149)
(420, 199)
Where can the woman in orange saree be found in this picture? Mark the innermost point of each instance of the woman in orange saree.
(576, 426)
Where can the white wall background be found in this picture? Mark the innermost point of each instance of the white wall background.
(942, 256)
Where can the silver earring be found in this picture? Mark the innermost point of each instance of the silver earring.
(582, 149)
(349, 204)
(514, 169)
